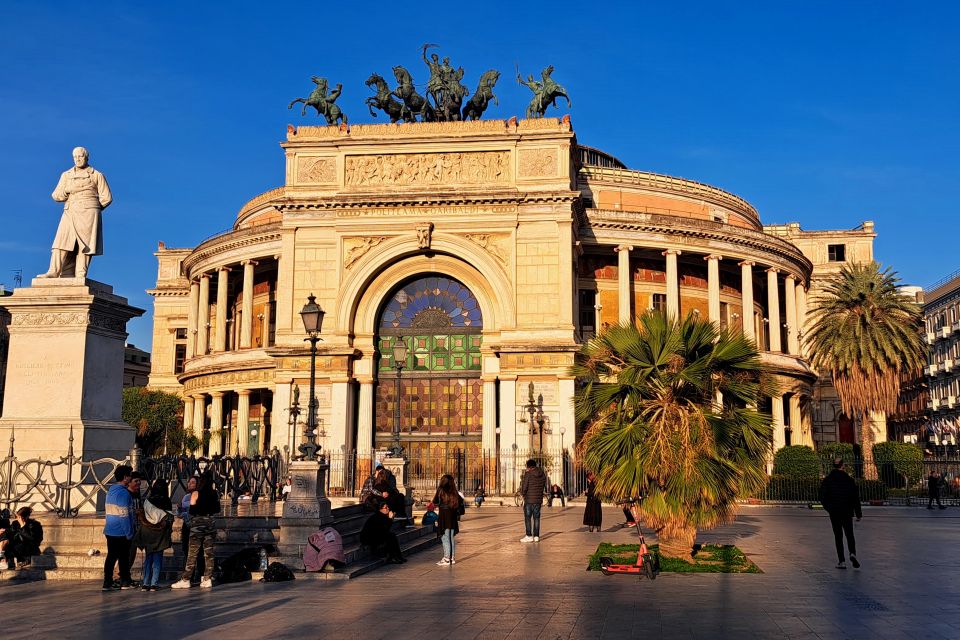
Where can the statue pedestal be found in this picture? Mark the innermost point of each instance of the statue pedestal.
(306, 509)
(65, 369)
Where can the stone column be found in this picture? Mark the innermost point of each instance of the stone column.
(796, 422)
(566, 388)
(773, 310)
(790, 298)
(199, 416)
(220, 341)
(624, 291)
(508, 413)
(246, 310)
(746, 295)
(713, 287)
(265, 325)
(243, 421)
(801, 295)
(188, 414)
(597, 308)
(673, 284)
(216, 423)
(776, 409)
(203, 316)
(489, 432)
(341, 415)
(365, 419)
(192, 313)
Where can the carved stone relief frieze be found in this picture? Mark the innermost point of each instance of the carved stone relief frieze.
(356, 248)
(492, 244)
(229, 378)
(538, 163)
(316, 170)
(68, 319)
(479, 167)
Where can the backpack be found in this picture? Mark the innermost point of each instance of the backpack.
(277, 572)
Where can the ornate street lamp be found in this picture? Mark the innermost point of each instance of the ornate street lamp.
(312, 316)
(399, 362)
(536, 415)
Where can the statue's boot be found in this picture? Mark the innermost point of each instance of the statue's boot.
(56, 264)
(83, 263)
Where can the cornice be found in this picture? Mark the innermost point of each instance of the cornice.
(375, 200)
(703, 229)
(670, 184)
(230, 240)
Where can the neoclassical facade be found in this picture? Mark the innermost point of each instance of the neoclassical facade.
(493, 249)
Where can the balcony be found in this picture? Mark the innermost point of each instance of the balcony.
(951, 402)
(932, 370)
(945, 331)
(947, 366)
(932, 404)
(931, 337)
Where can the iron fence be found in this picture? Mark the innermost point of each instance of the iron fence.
(903, 483)
(70, 486)
(495, 473)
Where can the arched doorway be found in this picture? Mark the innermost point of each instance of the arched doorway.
(440, 390)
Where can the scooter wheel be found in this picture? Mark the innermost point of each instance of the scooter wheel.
(648, 568)
(605, 562)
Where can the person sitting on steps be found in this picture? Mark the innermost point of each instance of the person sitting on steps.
(377, 535)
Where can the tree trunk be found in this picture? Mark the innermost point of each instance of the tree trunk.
(873, 429)
(676, 541)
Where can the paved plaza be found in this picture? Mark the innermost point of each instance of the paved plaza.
(499, 588)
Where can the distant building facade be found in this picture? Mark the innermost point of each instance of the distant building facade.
(941, 314)
(493, 249)
(136, 367)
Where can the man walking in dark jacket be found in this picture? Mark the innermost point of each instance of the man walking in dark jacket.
(533, 487)
(933, 490)
(840, 497)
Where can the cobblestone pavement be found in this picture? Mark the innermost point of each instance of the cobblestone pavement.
(908, 588)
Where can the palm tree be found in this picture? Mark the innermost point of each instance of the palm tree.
(670, 409)
(865, 333)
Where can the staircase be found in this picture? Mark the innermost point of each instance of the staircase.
(67, 542)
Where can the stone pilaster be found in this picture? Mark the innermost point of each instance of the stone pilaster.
(624, 290)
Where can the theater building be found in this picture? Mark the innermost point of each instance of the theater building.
(493, 249)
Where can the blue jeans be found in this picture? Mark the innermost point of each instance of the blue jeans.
(152, 563)
(449, 544)
(531, 519)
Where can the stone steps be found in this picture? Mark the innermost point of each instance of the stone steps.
(67, 542)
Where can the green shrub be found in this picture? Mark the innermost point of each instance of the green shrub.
(790, 489)
(897, 462)
(829, 452)
(797, 461)
(871, 490)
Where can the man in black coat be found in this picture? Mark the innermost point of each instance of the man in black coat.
(933, 489)
(840, 497)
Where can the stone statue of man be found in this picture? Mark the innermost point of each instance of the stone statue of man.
(79, 236)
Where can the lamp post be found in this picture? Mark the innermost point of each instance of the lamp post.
(312, 316)
(536, 415)
(399, 362)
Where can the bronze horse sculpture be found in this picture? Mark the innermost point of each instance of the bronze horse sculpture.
(414, 104)
(323, 102)
(545, 93)
(384, 100)
(477, 104)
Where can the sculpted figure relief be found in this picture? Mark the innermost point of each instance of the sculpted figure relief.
(79, 235)
(427, 168)
(545, 93)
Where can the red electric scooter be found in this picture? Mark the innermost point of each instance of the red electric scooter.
(647, 565)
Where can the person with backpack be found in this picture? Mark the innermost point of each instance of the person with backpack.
(840, 498)
(533, 487)
(118, 528)
(451, 505)
(204, 505)
(155, 532)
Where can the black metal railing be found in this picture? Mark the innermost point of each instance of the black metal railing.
(234, 477)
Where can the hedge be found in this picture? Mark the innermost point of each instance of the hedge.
(808, 489)
(896, 461)
(797, 461)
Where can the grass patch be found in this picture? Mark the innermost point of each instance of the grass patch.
(710, 558)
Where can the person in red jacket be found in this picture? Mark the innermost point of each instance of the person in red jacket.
(840, 498)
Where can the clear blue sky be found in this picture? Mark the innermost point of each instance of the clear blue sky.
(826, 113)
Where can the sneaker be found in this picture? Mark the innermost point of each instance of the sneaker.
(108, 588)
(443, 562)
(206, 583)
(181, 584)
(854, 561)
(526, 539)
(124, 586)
(841, 565)
(145, 588)
(536, 538)
(452, 561)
